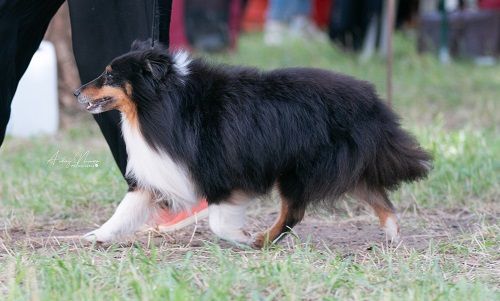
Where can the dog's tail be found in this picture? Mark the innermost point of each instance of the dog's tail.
(397, 156)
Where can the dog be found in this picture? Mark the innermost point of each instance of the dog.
(230, 134)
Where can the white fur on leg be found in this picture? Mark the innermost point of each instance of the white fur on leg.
(227, 219)
(391, 228)
(133, 211)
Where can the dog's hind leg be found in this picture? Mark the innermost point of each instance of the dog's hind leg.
(291, 189)
(227, 219)
(288, 217)
(379, 201)
(134, 211)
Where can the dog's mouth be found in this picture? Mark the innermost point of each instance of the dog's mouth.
(96, 104)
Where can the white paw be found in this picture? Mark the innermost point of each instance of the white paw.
(391, 229)
(99, 235)
(236, 236)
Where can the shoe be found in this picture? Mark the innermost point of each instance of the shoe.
(169, 222)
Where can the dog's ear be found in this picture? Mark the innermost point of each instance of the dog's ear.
(157, 63)
(140, 45)
(157, 69)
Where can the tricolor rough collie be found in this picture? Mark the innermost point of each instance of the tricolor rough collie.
(230, 134)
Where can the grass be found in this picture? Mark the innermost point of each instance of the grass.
(453, 111)
(212, 273)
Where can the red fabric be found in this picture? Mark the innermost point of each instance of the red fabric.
(235, 14)
(166, 218)
(255, 15)
(489, 4)
(177, 30)
(321, 12)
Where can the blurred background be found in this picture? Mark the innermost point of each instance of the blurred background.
(437, 44)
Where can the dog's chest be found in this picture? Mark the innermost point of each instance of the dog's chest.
(155, 170)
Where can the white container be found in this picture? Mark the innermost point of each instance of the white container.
(35, 107)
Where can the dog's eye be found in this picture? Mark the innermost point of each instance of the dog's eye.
(108, 75)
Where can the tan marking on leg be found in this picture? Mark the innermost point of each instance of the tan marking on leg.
(388, 221)
(287, 218)
(383, 209)
(269, 235)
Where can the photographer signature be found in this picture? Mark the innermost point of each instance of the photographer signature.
(79, 160)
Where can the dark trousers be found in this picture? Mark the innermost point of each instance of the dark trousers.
(101, 30)
(350, 19)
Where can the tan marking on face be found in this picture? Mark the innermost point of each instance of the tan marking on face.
(122, 100)
(128, 89)
(108, 68)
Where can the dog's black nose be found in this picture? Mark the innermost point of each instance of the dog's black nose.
(76, 92)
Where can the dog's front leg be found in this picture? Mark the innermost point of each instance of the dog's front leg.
(227, 219)
(134, 211)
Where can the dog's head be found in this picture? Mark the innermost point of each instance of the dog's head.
(132, 78)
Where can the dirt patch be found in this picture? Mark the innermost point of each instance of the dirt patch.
(341, 234)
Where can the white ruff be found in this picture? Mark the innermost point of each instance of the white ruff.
(156, 171)
(181, 62)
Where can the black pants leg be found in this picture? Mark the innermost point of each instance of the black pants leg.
(22, 27)
(104, 29)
